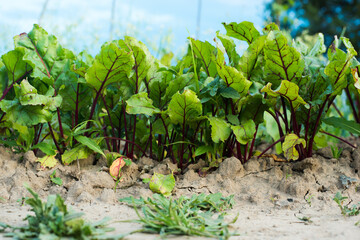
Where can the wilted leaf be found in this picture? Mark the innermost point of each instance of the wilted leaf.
(290, 142)
(163, 184)
(288, 90)
(47, 161)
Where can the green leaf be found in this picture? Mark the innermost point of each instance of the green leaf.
(288, 90)
(45, 148)
(341, 123)
(203, 149)
(90, 143)
(204, 51)
(229, 92)
(249, 59)
(245, 132)
(78, 152)
(141, 104)
(184, 107)
(244, 31)
(282, 62)
(253, 107)
(24, 115)
(144, 62)
(220, 129)
(43, 53)
(230, 48)
(339, 67)
(28, 95)
(163, 184)
(231, 76)
(111, 65)
(178, 84)
(290, 142)
(16, 68)
(48, 161)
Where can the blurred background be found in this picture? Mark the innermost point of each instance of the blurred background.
(165, 25)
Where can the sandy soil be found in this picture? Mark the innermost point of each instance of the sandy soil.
(270, 196)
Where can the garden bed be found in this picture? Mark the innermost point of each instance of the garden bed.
(274, 199)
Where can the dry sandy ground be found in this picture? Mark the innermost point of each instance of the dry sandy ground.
(270, 196)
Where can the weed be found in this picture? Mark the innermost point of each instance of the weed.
(345, 210)
(56, 180)
(52, 220)
(336, 151)
(308, 199)
(183, 216)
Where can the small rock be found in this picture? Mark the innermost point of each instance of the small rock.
(145, 176)
(197, 166)
(191, 176)
(309, 163)
(85, 197)
(98, 179)
(356, 160)
(107, 196)
(162, 169)
(325, 152)
(76, 189)
(231, 167)
(252, 165)
(145, 161)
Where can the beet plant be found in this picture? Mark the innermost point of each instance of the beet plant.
(209, 105)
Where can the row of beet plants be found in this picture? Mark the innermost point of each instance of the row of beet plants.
(211, 104)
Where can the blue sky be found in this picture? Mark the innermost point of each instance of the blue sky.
(86, 24)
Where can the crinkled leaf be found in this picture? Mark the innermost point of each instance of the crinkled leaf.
(220, 129)
(204, 51)
(47, 161)
(16, 67)
(244, 31)
(270, 27)
(249, 59)
(141, 104)
(231, 76)
(27, 115)
(319, 46)
(228, 92)
(178, 84)
(288, 90)
(28, 95)
(338, 67)
(144, 62)
(282, 62)
(90, 143)
(163, 184)
(158, 86)
(230, 48)
(184, 107)
(244, 133)
(290, 142)
(111, 65)
(341, 123)
(43, 53)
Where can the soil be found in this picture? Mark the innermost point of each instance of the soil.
(271, 197)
